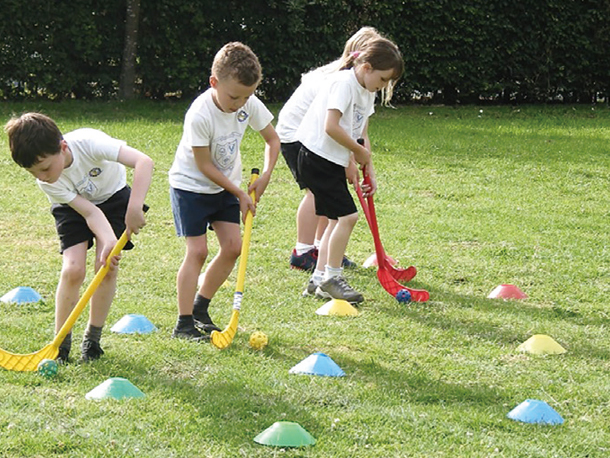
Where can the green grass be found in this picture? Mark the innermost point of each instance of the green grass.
(473, 199)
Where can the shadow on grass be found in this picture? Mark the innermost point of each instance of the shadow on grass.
(499, 321)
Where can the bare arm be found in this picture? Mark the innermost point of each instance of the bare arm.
(142, 177)
(98, 223)
(338, 134)
(272, 150)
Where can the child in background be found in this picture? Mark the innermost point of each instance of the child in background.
(309, 227)
(205, 181)
(328, 133)
(83, 174)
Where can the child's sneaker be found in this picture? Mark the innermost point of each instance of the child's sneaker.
(189, 333)
(338, 288)
(206, 327)
(203, 322)
(63, 357)
(348, 263)
(311, 289)
(90, 351)
(306, 261)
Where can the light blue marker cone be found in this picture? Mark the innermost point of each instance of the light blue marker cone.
(318, 364)
(133, 324)
(21, 295)
(533, 411)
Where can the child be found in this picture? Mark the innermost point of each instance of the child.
(83, 174)
(309, 227)
(205, 180)
(337, 117)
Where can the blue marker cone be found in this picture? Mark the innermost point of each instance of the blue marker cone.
(133, 324)
(21, 295)
(318, 364)
(533, 411)
(114, 388)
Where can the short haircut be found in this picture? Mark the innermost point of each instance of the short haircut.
(236, 60)
(32, 137)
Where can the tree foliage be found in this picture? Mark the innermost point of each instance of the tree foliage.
(465, 51)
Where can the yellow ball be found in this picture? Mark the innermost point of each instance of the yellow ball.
(258, 340)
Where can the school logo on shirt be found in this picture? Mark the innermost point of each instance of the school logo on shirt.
(357, 121)
(242, 116)
(95, 172)
(225, 154)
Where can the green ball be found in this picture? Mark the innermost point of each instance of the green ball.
(48, 368)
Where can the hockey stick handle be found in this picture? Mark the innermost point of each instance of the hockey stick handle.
(82, 303)
(245, 244)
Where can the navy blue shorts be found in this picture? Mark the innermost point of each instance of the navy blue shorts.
(327, 181)
(73, 229)
(290, 151)
(194, 212)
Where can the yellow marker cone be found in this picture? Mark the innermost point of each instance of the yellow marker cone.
(541, 344)
(337, 307)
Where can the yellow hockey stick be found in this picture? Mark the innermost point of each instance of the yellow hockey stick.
(223, 339)
(30, 362)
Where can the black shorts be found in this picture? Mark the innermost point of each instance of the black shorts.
(290, 151)
(73, 229)
(327, 181)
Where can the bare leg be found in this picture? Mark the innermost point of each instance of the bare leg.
(188, 274)
(306, 219)
(338, 239)
(323, 250)
(72, 276)
(219, 269)
(103, 296)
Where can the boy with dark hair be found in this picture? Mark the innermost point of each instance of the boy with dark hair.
(83, 175)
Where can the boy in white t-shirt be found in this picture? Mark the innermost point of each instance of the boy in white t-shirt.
(205, 181)
(83, 175)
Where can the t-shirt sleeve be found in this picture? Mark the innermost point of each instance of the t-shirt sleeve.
(200, 130)
(260, 116)
(340, 96)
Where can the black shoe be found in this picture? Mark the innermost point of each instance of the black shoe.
(204, 323)
(63, 357)
(348, 263)
(90, 351)
(189, 333)
(206, 328)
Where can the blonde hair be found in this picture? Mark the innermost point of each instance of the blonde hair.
(359, 40)
(354, 43)
(236, 60)
(381, 54)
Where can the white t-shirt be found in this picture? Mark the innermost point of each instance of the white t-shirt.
(207, 125)
(94, 173)
(293, 111)
(343, 92)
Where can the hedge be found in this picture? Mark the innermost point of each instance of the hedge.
(454, 51)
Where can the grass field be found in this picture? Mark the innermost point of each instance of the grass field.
(472, 197)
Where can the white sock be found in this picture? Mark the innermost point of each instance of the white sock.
(317, 277)
(302, 248)
(317, 243)
(331, 272)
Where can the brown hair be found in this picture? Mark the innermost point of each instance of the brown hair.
(236, 60)
(381, 54)
(32, 136)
